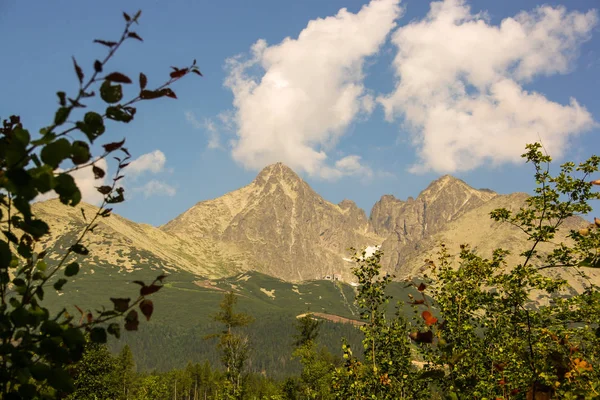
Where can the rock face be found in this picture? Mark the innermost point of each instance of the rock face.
(281, 225)
(405, 223)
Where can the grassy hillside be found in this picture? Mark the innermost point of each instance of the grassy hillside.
(183, 309)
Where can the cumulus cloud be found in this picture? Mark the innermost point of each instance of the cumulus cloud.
(153, 162)
(460, 84)
(309, 90)
(87, 185)
(155, 187)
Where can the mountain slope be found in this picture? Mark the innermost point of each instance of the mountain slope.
(281, 225)
(118, 242)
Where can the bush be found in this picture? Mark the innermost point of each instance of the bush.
(37, 348)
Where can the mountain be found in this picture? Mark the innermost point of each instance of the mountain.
(281, 226)
(405, 224)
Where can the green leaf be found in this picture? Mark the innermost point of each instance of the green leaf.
(22, 135)
(54, 153)
(43, 178)
(61, 115)
(111, 93)
(80, 152)
(114, 329)
(19, 316)
(36, 228)
(40, 293)
(73, 337)
(61, 380)
(92, 125)
(118, 114)
(98, 335)
(40, 371)
(59, 283)
(72, 269)
(80, 249)
(67, 190)
(27, 391)
(12, 238)
(5, 255)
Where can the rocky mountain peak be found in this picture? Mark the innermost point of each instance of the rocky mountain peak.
(406, 223)
(275, 173)
(347, 204)
(449, 185)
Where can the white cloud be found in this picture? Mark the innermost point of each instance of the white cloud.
(351, 165)
(150, 162)
(310, 92)
(460, 83)
(214, 141)
(155, 187)
(87, 184)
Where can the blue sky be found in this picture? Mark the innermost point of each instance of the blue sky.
(379, 99)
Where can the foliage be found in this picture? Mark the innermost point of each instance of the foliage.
(492, 340)
(36, 348)
(318, 364)
(95, 375)
(387, 371)
(234, 346)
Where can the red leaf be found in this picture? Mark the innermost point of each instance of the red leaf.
(104, 189)
(178, 73)
(121, 305)
(139, 283)
(117, 77)
(429, 318)
(78, 71)
(147, 308)
(417, 302)
(422, 287)
(169, 93)
(143, 81)
(97, 66)
(135, 36)
(113, 146)
(422, 337)
(105, 43)
(151, 94)
(146, 290)
(98, 172)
